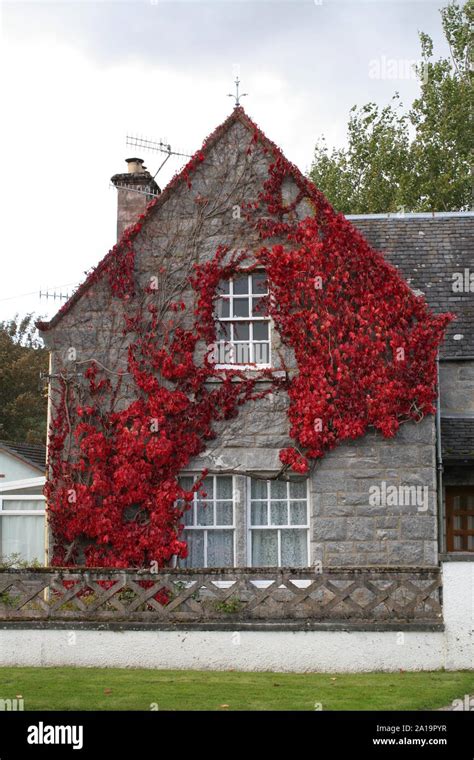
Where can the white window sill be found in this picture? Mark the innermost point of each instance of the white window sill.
(243, 366)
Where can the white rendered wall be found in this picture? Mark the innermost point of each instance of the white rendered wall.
(458, 611)
(330, 651)
(12, 468)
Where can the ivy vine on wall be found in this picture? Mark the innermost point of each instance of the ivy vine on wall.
(364, 346)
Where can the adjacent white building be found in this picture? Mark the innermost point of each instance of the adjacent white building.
(22, 504)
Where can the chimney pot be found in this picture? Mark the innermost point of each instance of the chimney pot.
(135, 165)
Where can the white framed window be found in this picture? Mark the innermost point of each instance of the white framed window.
(22, 527)
(210, 522)
(278, 523)
(242, 327)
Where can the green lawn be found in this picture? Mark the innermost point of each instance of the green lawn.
(122, 689)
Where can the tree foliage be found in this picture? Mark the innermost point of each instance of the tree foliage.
(22, 402)
(419, 160)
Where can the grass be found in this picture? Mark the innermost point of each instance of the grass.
(126, 689)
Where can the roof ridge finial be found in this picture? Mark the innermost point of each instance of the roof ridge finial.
(237, 96)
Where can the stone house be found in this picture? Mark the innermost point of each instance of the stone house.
(400, 502)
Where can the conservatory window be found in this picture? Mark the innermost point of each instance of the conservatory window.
(22, 527)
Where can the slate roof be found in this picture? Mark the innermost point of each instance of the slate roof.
(428, 249)
(457, 436)
(33, 454)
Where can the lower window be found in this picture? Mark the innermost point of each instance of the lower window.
(460, 518)
(22, 531)
(278, 523)
(209, 523)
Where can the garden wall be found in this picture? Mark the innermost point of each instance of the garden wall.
(326, 646)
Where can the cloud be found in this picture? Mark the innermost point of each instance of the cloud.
(77, 77)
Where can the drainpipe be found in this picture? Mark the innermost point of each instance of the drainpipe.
(439, 467)
(47, 541)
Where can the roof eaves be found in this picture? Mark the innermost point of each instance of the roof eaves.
(14, 453)
(413, 215)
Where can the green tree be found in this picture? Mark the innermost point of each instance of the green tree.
(23, 403)
(418, 160)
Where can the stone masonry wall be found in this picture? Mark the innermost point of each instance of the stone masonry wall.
(346, 529)
(350, 530)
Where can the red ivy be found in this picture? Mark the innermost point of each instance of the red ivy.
(365, 351)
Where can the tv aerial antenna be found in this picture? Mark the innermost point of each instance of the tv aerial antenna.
(157, 146)
(54, 294)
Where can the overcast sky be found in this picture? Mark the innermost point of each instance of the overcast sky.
(77, 77)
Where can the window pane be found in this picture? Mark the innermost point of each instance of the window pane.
(258, 309)
(220, 548)
(298, 489)
(294, 548)
(279, 513)
(188, 515)
(298, 513)
(223, 286)
(195, 541)
(23, 536)
(241, 307)
(264, 548)
(241, 353)
(258, 488)
(223, 307)
(224, 513)
(260, 331)
(224, 353)
(261, 353)
(205, 513)
(259, 513)
(23, 505)
(224, 487)
(241, 331)
(259, 282)
(278, 489)
(241, 285)
(223, 331)
(207, 487)
(186, 482)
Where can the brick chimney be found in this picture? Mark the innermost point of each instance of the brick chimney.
(130, 203)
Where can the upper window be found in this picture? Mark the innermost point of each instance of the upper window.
(278, 523)
(243, 328)
(209, 522)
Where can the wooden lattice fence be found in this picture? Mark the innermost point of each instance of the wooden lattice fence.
(199, 596)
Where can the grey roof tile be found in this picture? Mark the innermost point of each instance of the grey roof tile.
(457, 436)
(33, 453)
(428, 263)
